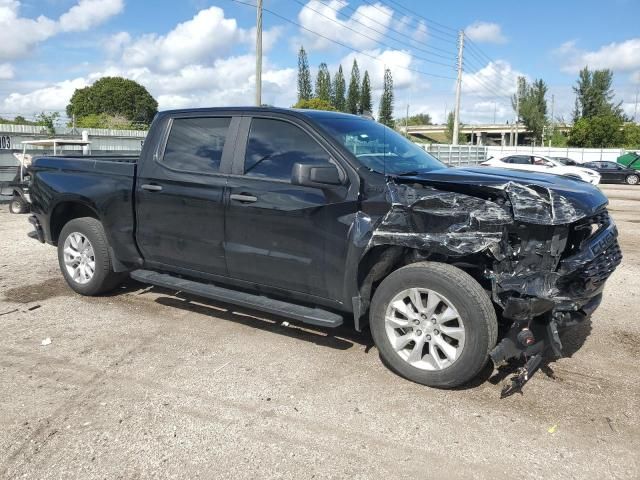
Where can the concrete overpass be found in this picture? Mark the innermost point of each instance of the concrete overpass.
(480, 134)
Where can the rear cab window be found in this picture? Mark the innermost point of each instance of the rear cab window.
(196, 144)
(274, 146)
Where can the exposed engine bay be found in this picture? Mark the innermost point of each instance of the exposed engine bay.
(541, 255)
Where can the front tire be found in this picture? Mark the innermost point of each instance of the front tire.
(18, 205)
(632, 179)
(433, 324)
(83, 255)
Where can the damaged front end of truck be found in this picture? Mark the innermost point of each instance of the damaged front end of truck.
(542, 253)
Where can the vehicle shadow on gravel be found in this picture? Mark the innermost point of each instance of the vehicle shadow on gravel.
(341, 338)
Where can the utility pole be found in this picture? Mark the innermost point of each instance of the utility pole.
(259, 53)
(406, 123)
(515, 143)
(456, 115)
(553, 125)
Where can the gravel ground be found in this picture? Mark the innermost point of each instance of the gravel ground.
(146, 384)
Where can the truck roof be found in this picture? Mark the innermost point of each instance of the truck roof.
(296, 111)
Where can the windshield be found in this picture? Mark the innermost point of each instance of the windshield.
(379, 148)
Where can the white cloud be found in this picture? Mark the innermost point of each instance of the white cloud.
(617, 56)
(6, 71)
(363, 29)
(89, 13)
(116, 43)
(496, 78)
(205, 37)
(50, 98)
(483, 111)
(396, 60)
(485, 32)
(19, 35)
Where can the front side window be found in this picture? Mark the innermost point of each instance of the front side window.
(196, 144)
(521, 160)
(274, 146)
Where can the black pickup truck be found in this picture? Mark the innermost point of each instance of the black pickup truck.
(322, 216)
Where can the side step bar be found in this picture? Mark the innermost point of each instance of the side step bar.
(312, 316)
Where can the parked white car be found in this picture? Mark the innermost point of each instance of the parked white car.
(538, 163)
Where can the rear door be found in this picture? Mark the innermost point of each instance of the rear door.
(180, 195)
(282, 235)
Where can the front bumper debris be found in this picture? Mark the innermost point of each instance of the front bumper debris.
(38, 232)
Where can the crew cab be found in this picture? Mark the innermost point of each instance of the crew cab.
(325, 217)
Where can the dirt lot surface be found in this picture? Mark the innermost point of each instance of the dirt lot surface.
(146, 384)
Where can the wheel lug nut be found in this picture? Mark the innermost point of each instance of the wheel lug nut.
(428, 337)
(433, 320)
(423, 316)
(418, 332)
(436, 332)
(416, 322)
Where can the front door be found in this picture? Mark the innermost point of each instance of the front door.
(180, 196)
(282, 235)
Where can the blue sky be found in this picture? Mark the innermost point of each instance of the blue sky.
(201, 52)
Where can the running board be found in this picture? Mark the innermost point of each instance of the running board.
(312, 316)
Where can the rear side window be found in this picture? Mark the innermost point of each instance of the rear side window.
(520, 160)
(196, 144)
(274, 146)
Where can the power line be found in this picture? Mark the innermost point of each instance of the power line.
(424, 48)
(281, 17)
(439, 27)
(386, 45)
(451, 39)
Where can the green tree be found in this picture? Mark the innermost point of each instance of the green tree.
(559, 139)
(114, 96)
(632, 136)
(314, 104)
(353, 94)
(304, 76)
(365, 95)
(600, 131)
(115, 122)
(339, 87)
(595, 95)
(323, 84)
(385, 113)
(449, 130)
(49, 121)
(531, 103)
(419, 119)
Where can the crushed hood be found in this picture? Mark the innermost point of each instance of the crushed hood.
(571, 199)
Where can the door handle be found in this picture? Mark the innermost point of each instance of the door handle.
(151, 188)
(243, 198)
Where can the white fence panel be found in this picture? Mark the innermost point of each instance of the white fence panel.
(462, 155)
(457, 155)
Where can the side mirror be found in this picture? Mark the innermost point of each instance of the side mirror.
(313, 175)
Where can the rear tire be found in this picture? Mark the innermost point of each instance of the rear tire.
(442, 353)
(18, 205)
(83, 255)
(632, 179)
